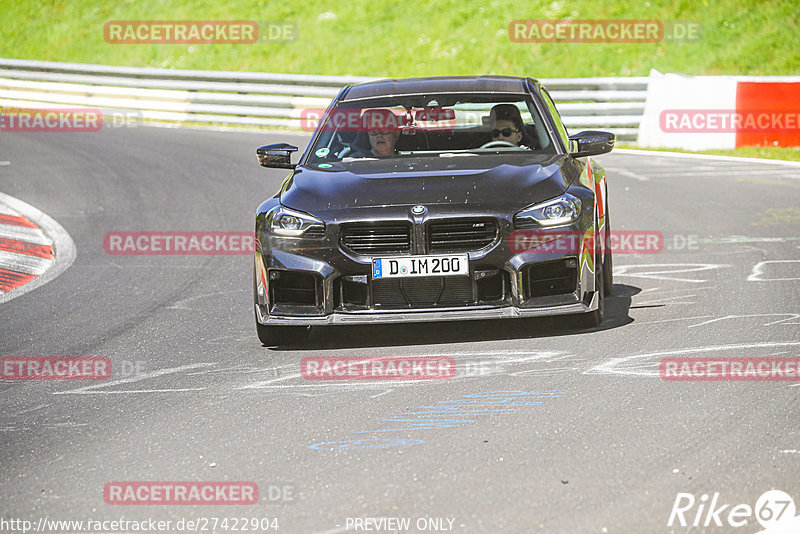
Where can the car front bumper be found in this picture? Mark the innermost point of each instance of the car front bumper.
(425, 315)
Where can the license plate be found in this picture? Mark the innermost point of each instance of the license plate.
(405, 266)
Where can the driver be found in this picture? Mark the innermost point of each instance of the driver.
(506, 124)
(383, 129)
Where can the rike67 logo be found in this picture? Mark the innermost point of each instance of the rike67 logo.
(774, 511)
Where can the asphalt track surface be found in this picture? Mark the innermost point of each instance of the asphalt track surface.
(606, 449)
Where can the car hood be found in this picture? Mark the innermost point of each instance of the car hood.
(487, 186)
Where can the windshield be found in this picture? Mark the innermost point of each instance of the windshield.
(441, 125)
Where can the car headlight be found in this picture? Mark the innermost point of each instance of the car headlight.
(286, 222)
(560, 211)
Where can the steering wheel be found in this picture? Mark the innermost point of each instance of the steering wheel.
(498, 143)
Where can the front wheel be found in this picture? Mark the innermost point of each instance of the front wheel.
(608, 267)
(271, 335)
(593, 319)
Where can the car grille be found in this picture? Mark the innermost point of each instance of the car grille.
(376, 238)
(461, 235)
(422, 292)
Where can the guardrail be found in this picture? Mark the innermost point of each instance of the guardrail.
(269, 99)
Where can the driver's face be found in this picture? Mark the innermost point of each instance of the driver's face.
(506, 126)
(382, 142)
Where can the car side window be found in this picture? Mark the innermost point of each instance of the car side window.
(562, 130)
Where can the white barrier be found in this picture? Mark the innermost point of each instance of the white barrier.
(708, 112)
(268, 99)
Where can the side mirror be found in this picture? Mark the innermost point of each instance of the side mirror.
(590, 143)
(277, 155)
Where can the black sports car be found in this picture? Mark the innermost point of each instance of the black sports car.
(430, 199)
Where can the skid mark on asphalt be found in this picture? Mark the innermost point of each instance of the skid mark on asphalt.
(629, 174)
(760, 267)
(727, 317)
(183, 304)
(101, 389)
(648, 364)
(469, 365)
(42, 426)
(666, 271)
(668, 300)
(640, 323)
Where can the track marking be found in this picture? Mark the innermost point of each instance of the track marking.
(24, 233)
(609, 366)
(758, 270)
(664, 299)
(791, 316)
(92, 389)
(740, 239)
(672, 320)
(488, 364)
(669, 291)
(64, 246)
(181, 304)
(24, 263)
(622, 270)
(28, 410)
(629, 174)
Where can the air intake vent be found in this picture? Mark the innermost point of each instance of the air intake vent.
(376, 238)
(422, 292)
(549, 278)
(315, 231)
(461, 235)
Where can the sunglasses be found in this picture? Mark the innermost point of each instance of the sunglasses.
(505, 132)
(378, 132)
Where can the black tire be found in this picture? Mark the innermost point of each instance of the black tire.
(608, 263)
(271, 336)
(594, 318)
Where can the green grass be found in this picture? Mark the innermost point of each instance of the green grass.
(398, 39)
(424, 37)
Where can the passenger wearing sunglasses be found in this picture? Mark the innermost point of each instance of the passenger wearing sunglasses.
(506, 124)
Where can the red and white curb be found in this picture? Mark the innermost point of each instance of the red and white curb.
(34, 248)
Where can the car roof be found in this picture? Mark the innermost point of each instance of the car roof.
(437, 84)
